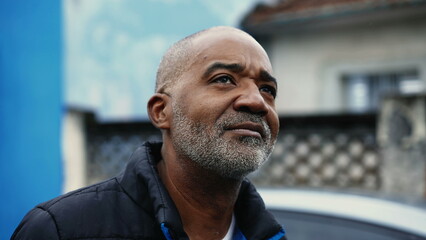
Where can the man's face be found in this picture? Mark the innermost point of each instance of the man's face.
(224, 116)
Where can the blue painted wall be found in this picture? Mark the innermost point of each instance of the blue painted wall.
(30, 107)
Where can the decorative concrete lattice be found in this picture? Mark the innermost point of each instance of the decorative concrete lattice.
(109, 150)
(343, 160)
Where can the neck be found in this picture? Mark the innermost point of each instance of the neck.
(205, 201)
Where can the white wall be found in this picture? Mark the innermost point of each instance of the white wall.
(309, 66)
(74, 151)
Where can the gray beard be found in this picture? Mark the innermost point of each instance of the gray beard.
(205, 145)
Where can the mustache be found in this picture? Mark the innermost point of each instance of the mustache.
(234, 118)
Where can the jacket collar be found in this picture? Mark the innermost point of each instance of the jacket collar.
(141, 182)
(254, 221)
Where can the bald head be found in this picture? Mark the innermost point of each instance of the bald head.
(179, 56)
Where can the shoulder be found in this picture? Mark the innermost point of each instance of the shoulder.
(37, 224)
(84, 197)
(100, 210)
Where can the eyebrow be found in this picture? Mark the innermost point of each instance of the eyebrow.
(266, 77)
(237, 68)
(233, 67)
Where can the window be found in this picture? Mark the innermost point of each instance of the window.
(362, 92)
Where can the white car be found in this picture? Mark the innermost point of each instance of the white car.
(316, 215)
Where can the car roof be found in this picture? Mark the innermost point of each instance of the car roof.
(350, 206)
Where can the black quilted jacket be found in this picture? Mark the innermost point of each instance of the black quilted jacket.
(134, 205)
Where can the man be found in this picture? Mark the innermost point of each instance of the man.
(215, 106)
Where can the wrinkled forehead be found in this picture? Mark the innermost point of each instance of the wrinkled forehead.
(229, 46)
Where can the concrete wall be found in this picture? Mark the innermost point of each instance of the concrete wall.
(309, 65)
(402, 140)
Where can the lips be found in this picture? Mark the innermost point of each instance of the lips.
(251, 129)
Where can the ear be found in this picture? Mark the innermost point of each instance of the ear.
(159, 110)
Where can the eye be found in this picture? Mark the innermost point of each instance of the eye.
(224, 79)
(269, 89)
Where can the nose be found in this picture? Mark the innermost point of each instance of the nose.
(251, 100)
